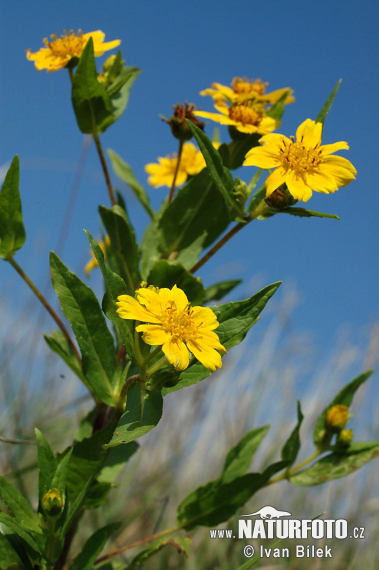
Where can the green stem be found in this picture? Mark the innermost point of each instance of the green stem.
(47, 306)
(290, 472)
(172, 191)
(104, 167)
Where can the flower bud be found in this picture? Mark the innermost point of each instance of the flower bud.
(177, 121)
(52, 503)
(281, 198)
(336, 417)
(240, 191)
(344, 437)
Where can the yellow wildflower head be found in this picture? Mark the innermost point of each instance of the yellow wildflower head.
(247, 117)
(337, 416)
(59, 52)
(303, 165)
(344, 438)
(162, 174)
(244, 89)
(93, 261)
(175, 325)
(177, 121)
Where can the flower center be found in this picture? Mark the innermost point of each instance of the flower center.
(297, 156)
(245, 115)
(178, 324)
(256, 87)
(67, 44)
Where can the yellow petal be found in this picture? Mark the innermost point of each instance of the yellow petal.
(130, 308)
(209, 357)
(153, 334)
(176, 353)
(275, 179)
(297, 186)
(309, 133)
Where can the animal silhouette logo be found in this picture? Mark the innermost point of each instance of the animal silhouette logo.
(269, 513)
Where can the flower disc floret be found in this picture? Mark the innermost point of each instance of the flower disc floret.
(303, 165)
(174, 324)
(60, 51)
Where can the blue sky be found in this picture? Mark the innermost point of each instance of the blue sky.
(182, 47)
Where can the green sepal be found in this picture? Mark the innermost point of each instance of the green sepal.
(180, 543)
(344, 397)
(292, 446)
(328, 103)
(124, 171)
(338, 464)
(220, 175)
(90, 99)
(12, 231)
(142, 413)
(124, 255)
(169, 273)
(82, 310)
(116, 286)
(93, 547)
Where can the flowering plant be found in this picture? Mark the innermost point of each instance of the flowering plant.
(154, 332)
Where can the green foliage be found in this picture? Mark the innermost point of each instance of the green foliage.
(82, 310)
(142, 413)
(218, 290)
(12, 231)
(93, 547)
(328, 103)
(18, 506)
(182, 545)
(292, 446)
(166, 273)
(59, 344)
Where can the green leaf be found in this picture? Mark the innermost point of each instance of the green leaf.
(89, 97)
(235, 318)
(93, 547)
(82, 310)
(238, 460)
(8, 554)
(181, 544)
(198, 212)
(303, 213)
(76, 506)
(59, 344)
(142, 413)
(218, 290)
(216, 502)
(338, 464)
(292, 446)
(47, 464)
(125, 253)
(116, 460)
(12, 231)
(149, 249)
(115, 287)
(9, 526)
(19, 507)
(119, 90)
(328, 103)
(169, 273)
(344, 397)
(123, 171)
(219, 173)
(61, 472)
(238, 149)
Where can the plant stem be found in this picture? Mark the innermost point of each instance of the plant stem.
(286, 474)
(104, 167)
(138, 543)
(172, 191)
(46, 305)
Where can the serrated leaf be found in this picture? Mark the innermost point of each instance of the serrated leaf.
(219, 173)
(292, 446)
(81, 308)
(19, 507)
(125, 251)
(93, 547)
(338, 464)
(327, 105)
(167, 273)
(181, 544)
(90, 99)
(47, 464)
(239, 457)
(58, 343)
(115, 286)
(197, 214)
(142, 413)
(124, 171)
(12, 231)
(303, 213)
(218, 290)
(344, 397)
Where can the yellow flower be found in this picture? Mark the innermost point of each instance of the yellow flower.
(93, 261)
(337, 416)
(162, 174)
(174, 325)
(242, 90)
(246, 118)
(304, 165)
(59, 52)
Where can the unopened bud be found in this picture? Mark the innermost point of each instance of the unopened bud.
(177, 121)
(52, 503)
(337, 417)
(344, 437)
(281, 198)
